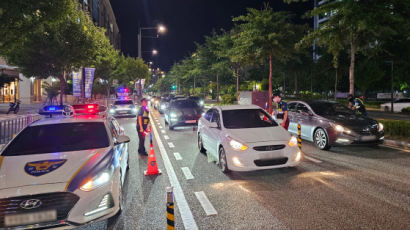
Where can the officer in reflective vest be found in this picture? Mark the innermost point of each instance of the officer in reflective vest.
(357, 105)
(142, 125)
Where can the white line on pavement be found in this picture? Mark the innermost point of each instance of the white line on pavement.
(166, 137)
(162, 131)
(187, 173)
(177, 156)
(171, 145)
(206, 204)
(313, 159)
(160, 127)
(183, 207)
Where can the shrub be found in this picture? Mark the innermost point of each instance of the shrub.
(228, 99)
(406, 110)
(396, 128)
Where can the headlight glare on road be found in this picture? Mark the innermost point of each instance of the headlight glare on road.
(293, 141)
(96, 182)
(298, 156)
(381, 127)
(238, 146)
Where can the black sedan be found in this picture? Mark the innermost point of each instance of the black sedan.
(182, 112)
(328, 123)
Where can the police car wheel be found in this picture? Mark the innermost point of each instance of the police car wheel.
(320, 139)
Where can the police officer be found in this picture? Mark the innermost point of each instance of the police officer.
(282, 110)
(142, 125)
(357, 104)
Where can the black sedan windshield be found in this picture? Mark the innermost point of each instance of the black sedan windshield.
(247, 118)
(330, 109)
(184, 104)
(63, 137)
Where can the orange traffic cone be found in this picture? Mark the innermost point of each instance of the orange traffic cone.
(152, 163)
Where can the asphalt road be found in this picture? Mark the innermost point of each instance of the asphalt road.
(345, 188)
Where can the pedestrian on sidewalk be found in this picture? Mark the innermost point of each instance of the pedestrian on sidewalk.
(142, 125)
(281, 112)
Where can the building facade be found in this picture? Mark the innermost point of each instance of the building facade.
(102, 14)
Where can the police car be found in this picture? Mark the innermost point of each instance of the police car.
(123, 107)
(63, 171)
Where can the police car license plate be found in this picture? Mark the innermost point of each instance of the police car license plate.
(368, 138)
(190, 121)
(30, 218)
(122, 112)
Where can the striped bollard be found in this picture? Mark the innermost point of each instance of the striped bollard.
(170, 209)
(299, 137)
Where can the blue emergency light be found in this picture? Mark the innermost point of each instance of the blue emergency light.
(51, 108)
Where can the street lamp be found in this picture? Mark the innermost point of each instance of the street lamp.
(154, 52)
(160, 29)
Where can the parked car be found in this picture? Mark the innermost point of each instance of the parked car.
(182, 112)
(327, 123)
(398, 105)
(245, 138)
(163, 105)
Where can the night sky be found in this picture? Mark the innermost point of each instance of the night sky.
(187, 21)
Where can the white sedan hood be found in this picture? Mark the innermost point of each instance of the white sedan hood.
(253, 135)
(38, 169)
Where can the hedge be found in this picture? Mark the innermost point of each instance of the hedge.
(396, 128)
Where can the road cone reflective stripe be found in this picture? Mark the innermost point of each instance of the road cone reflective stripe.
(152, 163)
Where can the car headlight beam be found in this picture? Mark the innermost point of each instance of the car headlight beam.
(238, 146)
(96, 182)
(293, 141)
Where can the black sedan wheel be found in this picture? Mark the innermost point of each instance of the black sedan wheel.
(321, 140)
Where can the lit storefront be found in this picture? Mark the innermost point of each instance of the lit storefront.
(9, 84)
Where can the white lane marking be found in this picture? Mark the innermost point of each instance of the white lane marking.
(166, 137)
(183, 207)
(171, 145)
(160, 127)
(206, 204)
(396, 148)
(187, 173)
(177, 156)
(162, 131)
(313, 159)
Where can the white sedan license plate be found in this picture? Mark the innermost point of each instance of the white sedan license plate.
(368, 138)
(30, 218)
(190, 121)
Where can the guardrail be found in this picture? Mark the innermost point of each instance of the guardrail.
(9, 128)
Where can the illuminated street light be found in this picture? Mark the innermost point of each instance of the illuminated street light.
(161, 29)
(154, 52)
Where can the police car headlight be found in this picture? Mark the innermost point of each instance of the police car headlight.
(381, 127)
(97, 181)
(112, 110)
(163, 107)
(293, 141)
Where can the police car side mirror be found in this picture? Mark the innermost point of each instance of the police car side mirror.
(122, 139)
(214, 125)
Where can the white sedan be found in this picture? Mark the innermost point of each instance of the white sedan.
(63, 172)
(246, 138)
(398, 105)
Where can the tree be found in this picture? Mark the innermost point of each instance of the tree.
(265, 34)
(130, 69)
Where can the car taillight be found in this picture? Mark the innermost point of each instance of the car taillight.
(90, 106)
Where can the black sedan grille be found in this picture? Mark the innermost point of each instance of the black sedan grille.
(268, 147)
(62, 202)
(271, 162)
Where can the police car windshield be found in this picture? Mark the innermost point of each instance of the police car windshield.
(247, 118)
(125, 102)
(330, 109)
(62, 137)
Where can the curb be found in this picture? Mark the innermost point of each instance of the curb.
(400, 144)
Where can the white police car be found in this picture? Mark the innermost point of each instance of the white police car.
(63, 172)
(123, 107)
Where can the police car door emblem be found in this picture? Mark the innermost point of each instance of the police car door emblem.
(39, 168)
(30, 204)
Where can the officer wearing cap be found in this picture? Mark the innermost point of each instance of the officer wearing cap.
(142, 125)
(282, 110)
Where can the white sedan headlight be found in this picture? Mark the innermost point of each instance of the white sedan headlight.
(112, 110)
(97, 181)
(293, 141)
(381, 127)
(238, 146)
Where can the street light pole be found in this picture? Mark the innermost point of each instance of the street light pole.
(139, 43)
(392, 87)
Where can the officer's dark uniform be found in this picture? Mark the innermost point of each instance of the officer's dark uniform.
(144, 114)
(280, 112)
(359, 106)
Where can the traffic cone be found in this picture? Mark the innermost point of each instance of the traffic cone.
(152, 163)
